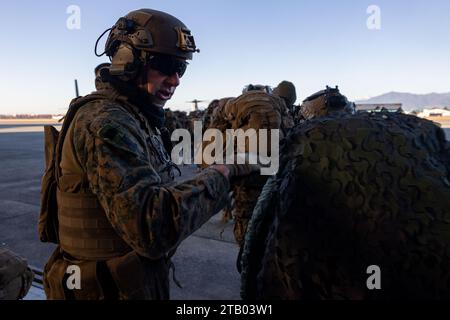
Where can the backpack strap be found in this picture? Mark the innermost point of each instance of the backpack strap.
(75, 105)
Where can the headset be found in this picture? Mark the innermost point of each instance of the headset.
(124, 48)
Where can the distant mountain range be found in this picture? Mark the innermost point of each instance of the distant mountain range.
(411, 101)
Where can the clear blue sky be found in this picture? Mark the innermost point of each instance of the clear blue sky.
(311, 43)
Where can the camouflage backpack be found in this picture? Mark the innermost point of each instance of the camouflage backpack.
(15, 276)
(251, 110)
(254, 109)
(354, 192)
(53, 141)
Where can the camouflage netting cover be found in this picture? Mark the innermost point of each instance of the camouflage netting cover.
(354, 191)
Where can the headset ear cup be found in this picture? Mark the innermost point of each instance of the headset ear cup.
(124, 63)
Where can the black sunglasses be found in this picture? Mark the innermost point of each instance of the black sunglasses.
(168, 65)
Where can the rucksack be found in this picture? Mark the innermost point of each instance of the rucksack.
(53, 142)
(15, 276)
(254, 109)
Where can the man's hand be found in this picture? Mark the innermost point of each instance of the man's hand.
(232, 171)
(222, 168)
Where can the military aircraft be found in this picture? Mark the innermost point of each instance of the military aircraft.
(196, 102)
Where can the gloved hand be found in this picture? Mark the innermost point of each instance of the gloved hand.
(235, 171)
(242, 170)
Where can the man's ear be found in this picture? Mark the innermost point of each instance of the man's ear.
(141, 78)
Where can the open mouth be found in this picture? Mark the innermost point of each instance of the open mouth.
(164, 94)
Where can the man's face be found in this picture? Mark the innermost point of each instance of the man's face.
(159, 85)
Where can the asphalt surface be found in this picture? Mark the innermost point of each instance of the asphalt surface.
(204, 262)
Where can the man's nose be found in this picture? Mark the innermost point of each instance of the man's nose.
(173, 80)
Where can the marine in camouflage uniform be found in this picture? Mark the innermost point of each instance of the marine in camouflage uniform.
(353, 191)
(208, 114)
(193, 116)
(176, 120)
(120, 216)
(170, 121)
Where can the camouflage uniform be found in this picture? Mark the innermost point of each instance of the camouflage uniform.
(114, 156)
(193, 116)
(119, 215)
(175, 120)
(182, 119)
(208, 114)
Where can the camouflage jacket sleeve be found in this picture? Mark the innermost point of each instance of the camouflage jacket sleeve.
(151, 217)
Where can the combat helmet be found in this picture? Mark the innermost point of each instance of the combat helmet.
(286, 90)
(326, 102)
(147, 36)
(257, 87)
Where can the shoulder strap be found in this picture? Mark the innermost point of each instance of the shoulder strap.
(75, 105)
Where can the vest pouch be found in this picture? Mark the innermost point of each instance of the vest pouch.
(60, 281)
(129, 276)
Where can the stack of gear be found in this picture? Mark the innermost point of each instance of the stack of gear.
(354, 191)
(257, 110)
